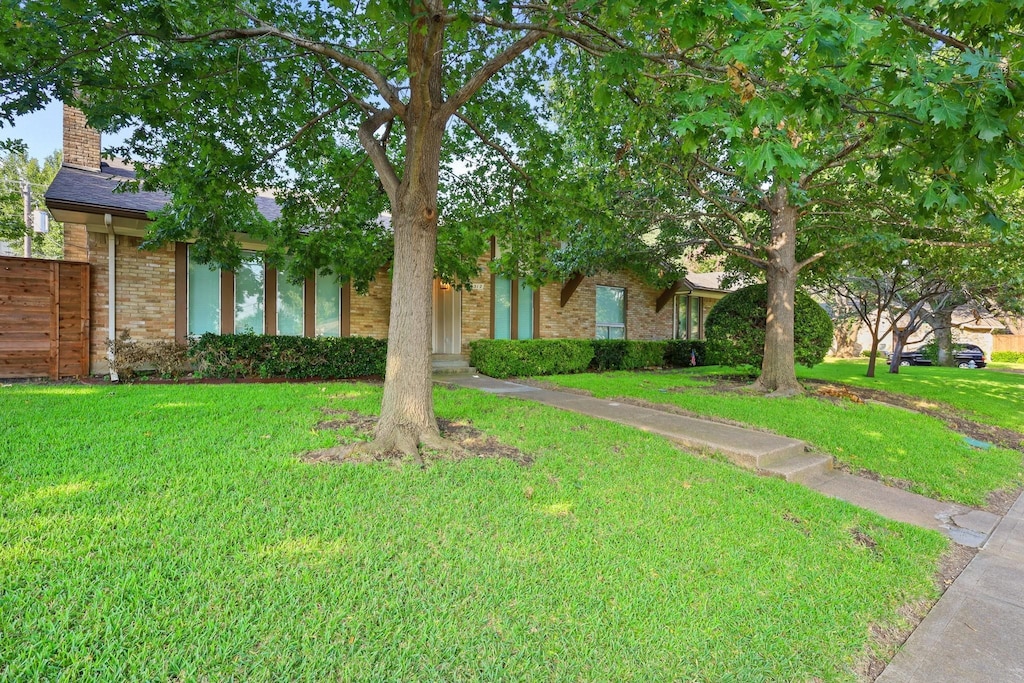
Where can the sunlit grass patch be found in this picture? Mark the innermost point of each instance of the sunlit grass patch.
(894, 443)
(193, 543)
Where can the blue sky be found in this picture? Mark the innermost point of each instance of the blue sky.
(41, 131)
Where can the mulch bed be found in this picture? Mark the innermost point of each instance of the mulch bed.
(471, 441)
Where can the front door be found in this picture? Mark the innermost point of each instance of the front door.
(447, 319)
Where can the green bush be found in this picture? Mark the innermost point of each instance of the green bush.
(256, 355)
(521, 358)
(680, 352)
(735, 329)
(1008, 356)
(627, 354)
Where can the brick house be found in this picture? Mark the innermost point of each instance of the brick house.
(163, 294)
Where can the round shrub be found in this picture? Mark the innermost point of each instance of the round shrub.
(735, 329)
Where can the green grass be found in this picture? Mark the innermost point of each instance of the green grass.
(892, 442)
(151, 532)
(984, 395)
(1003, 367)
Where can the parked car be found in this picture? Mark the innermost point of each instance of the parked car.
(964, 355)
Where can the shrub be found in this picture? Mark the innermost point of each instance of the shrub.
(1008, 356)
(627, 354)
(125, 356)
(255, 355)
(169, 358)
(680, 352)
(735, 329)
(520, 358)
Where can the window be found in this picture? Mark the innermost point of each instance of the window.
(250, 294)
(611, 313)
(525, 307)
(203, 298)
(328, 306)
(291, 311)
(691, 312)
(509, 296)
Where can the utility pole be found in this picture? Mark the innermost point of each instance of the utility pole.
(26, 195)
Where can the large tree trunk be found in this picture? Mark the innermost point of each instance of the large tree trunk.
(942, 324)
(407, 410)
(846, 338)
(778, 369)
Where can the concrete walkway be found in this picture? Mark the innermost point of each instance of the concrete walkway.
(765, 453)
(975, 633)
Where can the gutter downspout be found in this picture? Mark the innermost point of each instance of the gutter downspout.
(108, 220)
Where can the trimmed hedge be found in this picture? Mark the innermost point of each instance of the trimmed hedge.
(735, 329)
(680, 353)
(1008, 356)
(627, 354)
(521, 358)
(257, 355)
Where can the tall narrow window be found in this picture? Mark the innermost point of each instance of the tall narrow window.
(502, 308)
(682, 317)
(290, 308)
(513, 309)
(203, 298)
(524, 316)
(250, 294)
(611, 313)
(328, 306)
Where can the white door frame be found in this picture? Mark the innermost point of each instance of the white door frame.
(447, 332)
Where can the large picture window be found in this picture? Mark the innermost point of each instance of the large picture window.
(203, 297)
(250, 294)
(611, 312)
(513, 309)
(328, 306)
(291, 310)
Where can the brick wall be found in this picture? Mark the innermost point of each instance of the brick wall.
(81, 143)
(476, 307)
(578, 318)
(75, 242)
(372, 311)
(145, 294)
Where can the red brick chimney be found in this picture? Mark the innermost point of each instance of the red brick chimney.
(81, 143)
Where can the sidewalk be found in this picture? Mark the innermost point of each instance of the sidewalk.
(975, 633)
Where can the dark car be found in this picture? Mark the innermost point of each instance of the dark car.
(964, 356)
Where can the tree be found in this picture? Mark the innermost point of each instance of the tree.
(16, 168)
(343, 109)
(776, 129)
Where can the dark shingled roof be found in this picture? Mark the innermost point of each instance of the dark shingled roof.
(94, 192)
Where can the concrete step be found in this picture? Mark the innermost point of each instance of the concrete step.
(454, 370)
(451, 364)
(799, 468)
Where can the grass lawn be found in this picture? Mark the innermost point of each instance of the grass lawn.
(985, 395)
(157, 532)
(894, 443)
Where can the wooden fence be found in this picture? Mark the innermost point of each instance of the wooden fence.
(1008, 342)
(44, 318)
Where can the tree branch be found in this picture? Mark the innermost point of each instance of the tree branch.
(484, 138)
(490, 68)
(386, 90)
(378, 155)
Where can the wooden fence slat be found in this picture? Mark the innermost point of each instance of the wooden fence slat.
(44, 318)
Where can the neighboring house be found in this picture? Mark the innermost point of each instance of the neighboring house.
(970, 326)
(164, 294)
